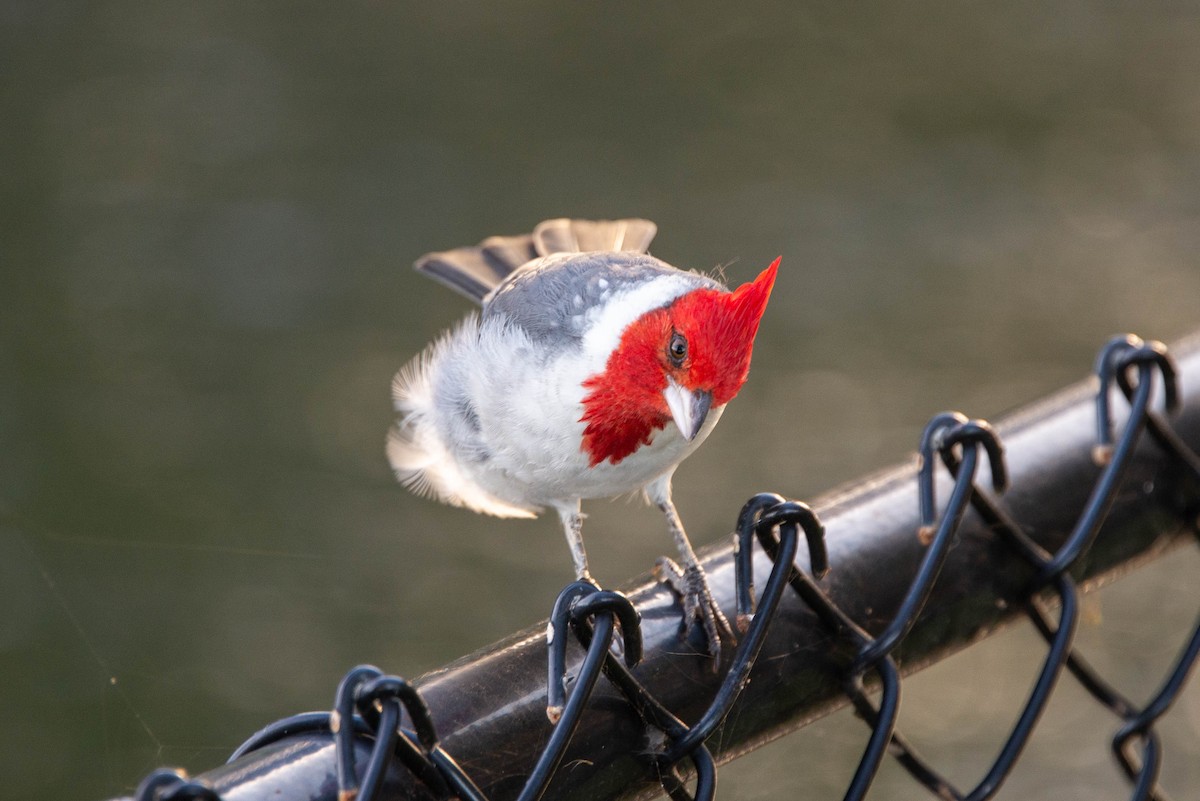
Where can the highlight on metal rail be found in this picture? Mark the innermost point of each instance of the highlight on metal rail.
(1033, 506)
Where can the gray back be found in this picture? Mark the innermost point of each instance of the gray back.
(476, 271)
(550, 298)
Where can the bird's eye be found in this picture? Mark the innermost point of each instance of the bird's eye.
(677, 349)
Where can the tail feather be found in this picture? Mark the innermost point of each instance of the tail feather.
(476, 271)
(564, 235)
(508, 253)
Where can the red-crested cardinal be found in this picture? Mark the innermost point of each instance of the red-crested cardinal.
(593, 370)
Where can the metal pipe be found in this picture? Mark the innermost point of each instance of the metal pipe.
(490, 708)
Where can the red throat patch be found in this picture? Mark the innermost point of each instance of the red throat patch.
(625, 405)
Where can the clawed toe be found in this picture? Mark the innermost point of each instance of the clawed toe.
(691, 585)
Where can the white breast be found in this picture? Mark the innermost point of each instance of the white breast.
(491, 420)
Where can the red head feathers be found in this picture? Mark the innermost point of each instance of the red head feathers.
(701, 343)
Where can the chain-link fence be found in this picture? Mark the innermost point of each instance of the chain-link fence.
(904, 580)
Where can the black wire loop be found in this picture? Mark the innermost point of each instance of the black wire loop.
(654, 714)
(1058, 636)
(882, 718)
(1116, 357)
(577, 601)
(768, 510)
(367, 706)
(949, 433)
(377, 699)
(596, 624)
(945, 432)
(1113, 362)
(941, 434)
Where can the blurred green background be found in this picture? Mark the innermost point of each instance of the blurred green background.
(207, 216)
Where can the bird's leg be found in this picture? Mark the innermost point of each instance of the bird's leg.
(572, 521)
(689, 581)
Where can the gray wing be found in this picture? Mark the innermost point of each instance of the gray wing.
(476, 271)
(550, 299)
(584, 236)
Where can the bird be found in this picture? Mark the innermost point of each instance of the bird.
(591, 371)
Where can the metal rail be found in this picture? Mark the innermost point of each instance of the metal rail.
(490, 708)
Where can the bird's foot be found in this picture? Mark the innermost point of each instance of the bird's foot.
(691, 585)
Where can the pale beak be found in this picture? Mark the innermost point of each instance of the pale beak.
(688, 407)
